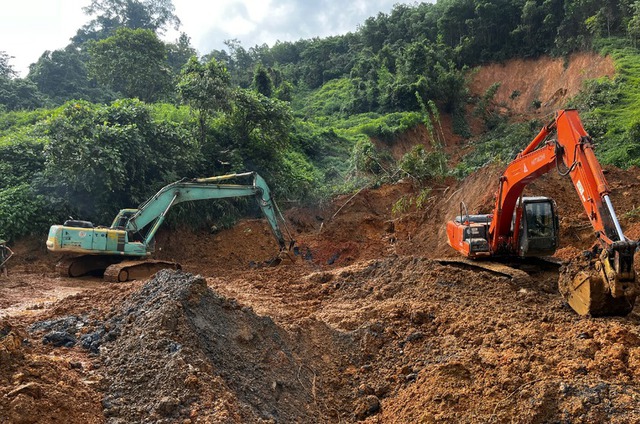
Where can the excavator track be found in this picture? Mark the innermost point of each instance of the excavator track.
(515, 270)
(82, 265)
(136, 270)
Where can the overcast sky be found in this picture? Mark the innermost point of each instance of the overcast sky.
(29, 27)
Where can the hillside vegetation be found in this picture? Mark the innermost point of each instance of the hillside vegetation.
(105, 122)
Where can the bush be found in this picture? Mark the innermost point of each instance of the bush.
(420, 164)
(23, 212)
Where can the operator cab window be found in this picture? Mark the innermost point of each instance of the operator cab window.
(539, 219)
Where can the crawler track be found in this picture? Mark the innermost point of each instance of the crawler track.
(136, 270)
(516, 270)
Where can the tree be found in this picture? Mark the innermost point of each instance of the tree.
(179, 53)
(262, 82)
(206, 88)
(16, 93)
(259, 128)
(6, 70)
(19, 94)
(633, 27)
(240, 63)
(260, 121)
(62, 75)
(132, 62)
(154, 15)
(99, 159)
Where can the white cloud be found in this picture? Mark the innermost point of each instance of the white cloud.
(29, 27)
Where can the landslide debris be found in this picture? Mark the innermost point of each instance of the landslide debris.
(40, 388)
(177, 351)
(440, 343)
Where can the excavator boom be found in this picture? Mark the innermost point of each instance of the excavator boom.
(525, 226)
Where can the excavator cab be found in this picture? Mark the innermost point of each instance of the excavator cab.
(539, 227)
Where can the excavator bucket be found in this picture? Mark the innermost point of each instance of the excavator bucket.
(283, 258)
(586, 289)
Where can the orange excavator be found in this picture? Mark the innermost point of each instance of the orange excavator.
(604, 282)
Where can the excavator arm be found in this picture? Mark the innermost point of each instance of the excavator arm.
(154, 210)
(606, 283)
(571, 150)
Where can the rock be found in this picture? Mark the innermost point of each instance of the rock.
(167, 406)
(31, 389)
(59, 338)
(365, 389)
(366, 407)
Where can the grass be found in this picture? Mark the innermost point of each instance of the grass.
(611, 108)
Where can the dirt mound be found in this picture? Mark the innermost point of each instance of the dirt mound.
(177, 351)
(250, 241)
(447, 344)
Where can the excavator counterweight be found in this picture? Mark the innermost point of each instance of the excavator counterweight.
(602, 282)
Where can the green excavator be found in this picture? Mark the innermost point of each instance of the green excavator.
(121, 251)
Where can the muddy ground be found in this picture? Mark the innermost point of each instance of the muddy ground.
(367, 323)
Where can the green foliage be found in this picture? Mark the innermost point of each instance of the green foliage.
(366, 159)
(609, 107)
(19, 94)
(387, 127)
(21, 158)
(6, 70)
(100, 158)
(262, 82)
(633, 215)
(132, 62)
(179, 53)
(206, 88)
(331, 99)
(297, 178)
(406, 202)
(21, 120)
(109, 15)
(285, 92)
(257, 120)
(22, 212)
(486, 108)
(421, 164)
(62, 75)
(500, 145)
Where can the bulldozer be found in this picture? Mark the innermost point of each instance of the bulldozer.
(121, 251)
(522, 227)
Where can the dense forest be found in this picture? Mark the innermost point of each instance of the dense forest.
(118, 113)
